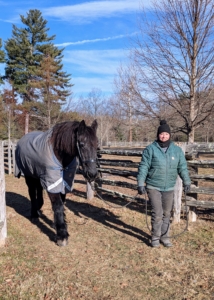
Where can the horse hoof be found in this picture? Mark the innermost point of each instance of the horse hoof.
(62, 243)
(39, 212)
(53, 225)
(35, 220)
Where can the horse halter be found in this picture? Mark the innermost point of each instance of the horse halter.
(82, 161)
(81, 158)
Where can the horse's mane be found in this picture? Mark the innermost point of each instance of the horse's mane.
(63, 137)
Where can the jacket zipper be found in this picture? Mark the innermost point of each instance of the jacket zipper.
(166, 171)
(167, 161)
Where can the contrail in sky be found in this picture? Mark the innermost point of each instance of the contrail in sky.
(96, 40)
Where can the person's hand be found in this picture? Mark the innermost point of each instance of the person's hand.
(141, 190)
(186, 188)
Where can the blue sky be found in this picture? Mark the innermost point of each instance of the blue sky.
(96, 35)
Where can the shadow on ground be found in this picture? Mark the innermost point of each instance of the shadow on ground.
(105, 217)
(140, 204)
(22, 206)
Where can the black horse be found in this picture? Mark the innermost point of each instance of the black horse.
(49, 160)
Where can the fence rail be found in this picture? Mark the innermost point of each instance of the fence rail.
(127, 144)
(139, 144)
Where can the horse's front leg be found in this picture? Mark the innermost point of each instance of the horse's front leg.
(63, 197)
(59, 219)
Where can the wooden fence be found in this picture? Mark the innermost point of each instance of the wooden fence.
(127, 168)
(125, 172)
(9, 156)
(3, 224)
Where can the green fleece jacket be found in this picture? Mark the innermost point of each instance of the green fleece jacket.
(159, 169)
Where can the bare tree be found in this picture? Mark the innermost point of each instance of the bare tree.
(96, 106)
(173, 58)
(124, 100)
(8, 116)
(131, 108)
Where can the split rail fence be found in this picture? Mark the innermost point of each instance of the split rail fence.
(127, 168)
(123, 165)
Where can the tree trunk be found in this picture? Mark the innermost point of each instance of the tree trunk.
(101, 132)
(130, 120)
(9, 141)
(26, 122)
(191, 136)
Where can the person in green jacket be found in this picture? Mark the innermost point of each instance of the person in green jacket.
(161, 163)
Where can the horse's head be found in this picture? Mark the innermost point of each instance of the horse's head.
(87, 144)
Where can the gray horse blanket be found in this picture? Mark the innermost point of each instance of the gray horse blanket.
(35, 157)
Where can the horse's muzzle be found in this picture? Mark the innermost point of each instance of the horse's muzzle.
(90, 172)
(91, 176)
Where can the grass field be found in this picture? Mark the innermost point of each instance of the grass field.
(108, 255)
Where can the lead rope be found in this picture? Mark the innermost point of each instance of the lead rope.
(187, 220)
(122, 206)
(112, 206)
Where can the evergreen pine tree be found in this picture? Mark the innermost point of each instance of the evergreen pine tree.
(52, 86)
(25, 51)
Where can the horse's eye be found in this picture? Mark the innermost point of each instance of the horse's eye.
(81, 145)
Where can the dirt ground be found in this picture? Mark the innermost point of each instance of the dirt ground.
(108, 255)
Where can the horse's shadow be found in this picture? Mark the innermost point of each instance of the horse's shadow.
(19, 203)
(22, 206)
(104, 216)
(142, 205)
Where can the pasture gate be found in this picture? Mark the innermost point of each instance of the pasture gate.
(3, 223)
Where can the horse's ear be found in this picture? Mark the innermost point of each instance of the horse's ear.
(94, 125)
(81, 128)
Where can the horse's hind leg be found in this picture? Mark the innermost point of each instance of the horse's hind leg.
(59, 218)
(32, 190)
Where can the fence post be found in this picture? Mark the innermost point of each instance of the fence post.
(178, 193)
(193, 210)
(177, 201)
(3, 223)
(13, 156)
(9, 157)
(89, 191)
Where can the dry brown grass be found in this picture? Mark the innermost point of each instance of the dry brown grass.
(108, 255)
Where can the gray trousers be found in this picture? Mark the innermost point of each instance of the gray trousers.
(162, 203)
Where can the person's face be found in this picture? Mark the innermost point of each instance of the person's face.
(164, 136)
